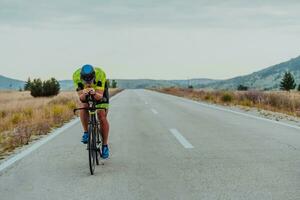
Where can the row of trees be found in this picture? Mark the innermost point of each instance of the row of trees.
(287, 83)
(39, 88)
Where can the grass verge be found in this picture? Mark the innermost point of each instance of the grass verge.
(275, 101)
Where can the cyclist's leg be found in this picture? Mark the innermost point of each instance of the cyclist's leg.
(102, 116)
(84, 117)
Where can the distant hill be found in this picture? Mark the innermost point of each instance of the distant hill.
(268, 78)
(10, 84)
(13, 84)
(149, 83)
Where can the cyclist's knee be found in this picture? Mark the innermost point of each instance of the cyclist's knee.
(102, 115)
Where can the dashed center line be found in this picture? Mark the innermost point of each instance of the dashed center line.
(181, 139)
(154, 111)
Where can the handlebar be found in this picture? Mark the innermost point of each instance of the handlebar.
(90, 98)
(92, 104)
(90, 109)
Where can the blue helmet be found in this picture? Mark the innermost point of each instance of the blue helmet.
(87, 73)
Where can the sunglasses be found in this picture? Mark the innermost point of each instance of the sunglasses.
(88, 82)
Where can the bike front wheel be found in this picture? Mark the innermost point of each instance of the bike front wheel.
(92, 149)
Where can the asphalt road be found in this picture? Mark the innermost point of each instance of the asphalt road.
(164, 147)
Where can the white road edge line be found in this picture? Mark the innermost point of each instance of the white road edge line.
(154, 111)
(181, 139)
(39, 143)
(216, 107)
(36, 145)
(248, 115)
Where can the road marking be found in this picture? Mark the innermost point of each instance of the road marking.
(248, 115)
(181, 139)
(154, 111)
(39, 143)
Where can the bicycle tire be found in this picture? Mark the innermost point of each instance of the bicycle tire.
(91, 149)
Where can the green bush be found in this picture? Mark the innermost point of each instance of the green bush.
(36, 88)
(114, 84)
(46, 88)
(227, 98)
(51, 87)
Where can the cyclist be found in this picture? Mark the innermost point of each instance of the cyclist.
(92, 80)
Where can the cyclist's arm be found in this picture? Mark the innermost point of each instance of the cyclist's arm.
(97, 93)
(78, 85)
(82, 94)
(100, 86)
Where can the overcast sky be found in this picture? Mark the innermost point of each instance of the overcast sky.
(169, 39)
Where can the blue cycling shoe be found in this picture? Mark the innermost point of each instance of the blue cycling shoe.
(85, 138)
(105, 151)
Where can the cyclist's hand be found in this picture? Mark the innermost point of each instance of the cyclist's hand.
(86, 91)
(92, 91)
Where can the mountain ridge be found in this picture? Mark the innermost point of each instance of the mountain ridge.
(265, 79)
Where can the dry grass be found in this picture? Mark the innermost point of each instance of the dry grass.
(23, 117)
(283, 102)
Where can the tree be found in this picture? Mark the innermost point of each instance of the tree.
(36, 88)
(288, 82)
(242, 88)
(39, 88)
(299, 87)
(114, 84)
(51, 87)
(27, 85)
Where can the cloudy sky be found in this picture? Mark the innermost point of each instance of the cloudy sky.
(170, 39)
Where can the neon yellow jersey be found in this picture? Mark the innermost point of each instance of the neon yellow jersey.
(99, 82)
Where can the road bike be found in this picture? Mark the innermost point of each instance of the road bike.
(94, 132)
